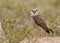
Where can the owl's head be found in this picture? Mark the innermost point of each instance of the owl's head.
(34, 12)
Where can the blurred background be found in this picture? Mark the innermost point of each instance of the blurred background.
(15, 19)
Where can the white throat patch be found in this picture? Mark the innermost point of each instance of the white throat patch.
(32, 14)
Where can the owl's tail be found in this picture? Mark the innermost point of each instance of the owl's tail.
(49, 30)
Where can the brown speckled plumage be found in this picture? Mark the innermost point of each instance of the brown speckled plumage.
(40, 22)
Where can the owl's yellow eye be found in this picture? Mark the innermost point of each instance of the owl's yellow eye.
(36, 10)
(31, 10)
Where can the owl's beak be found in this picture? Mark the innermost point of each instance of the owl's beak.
(34, 12)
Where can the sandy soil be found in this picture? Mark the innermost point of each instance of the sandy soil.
(43, 40)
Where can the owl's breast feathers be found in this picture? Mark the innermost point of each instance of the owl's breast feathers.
(38, 20)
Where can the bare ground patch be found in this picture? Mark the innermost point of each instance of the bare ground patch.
(43, 40)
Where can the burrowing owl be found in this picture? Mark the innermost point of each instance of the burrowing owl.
(39, 21)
